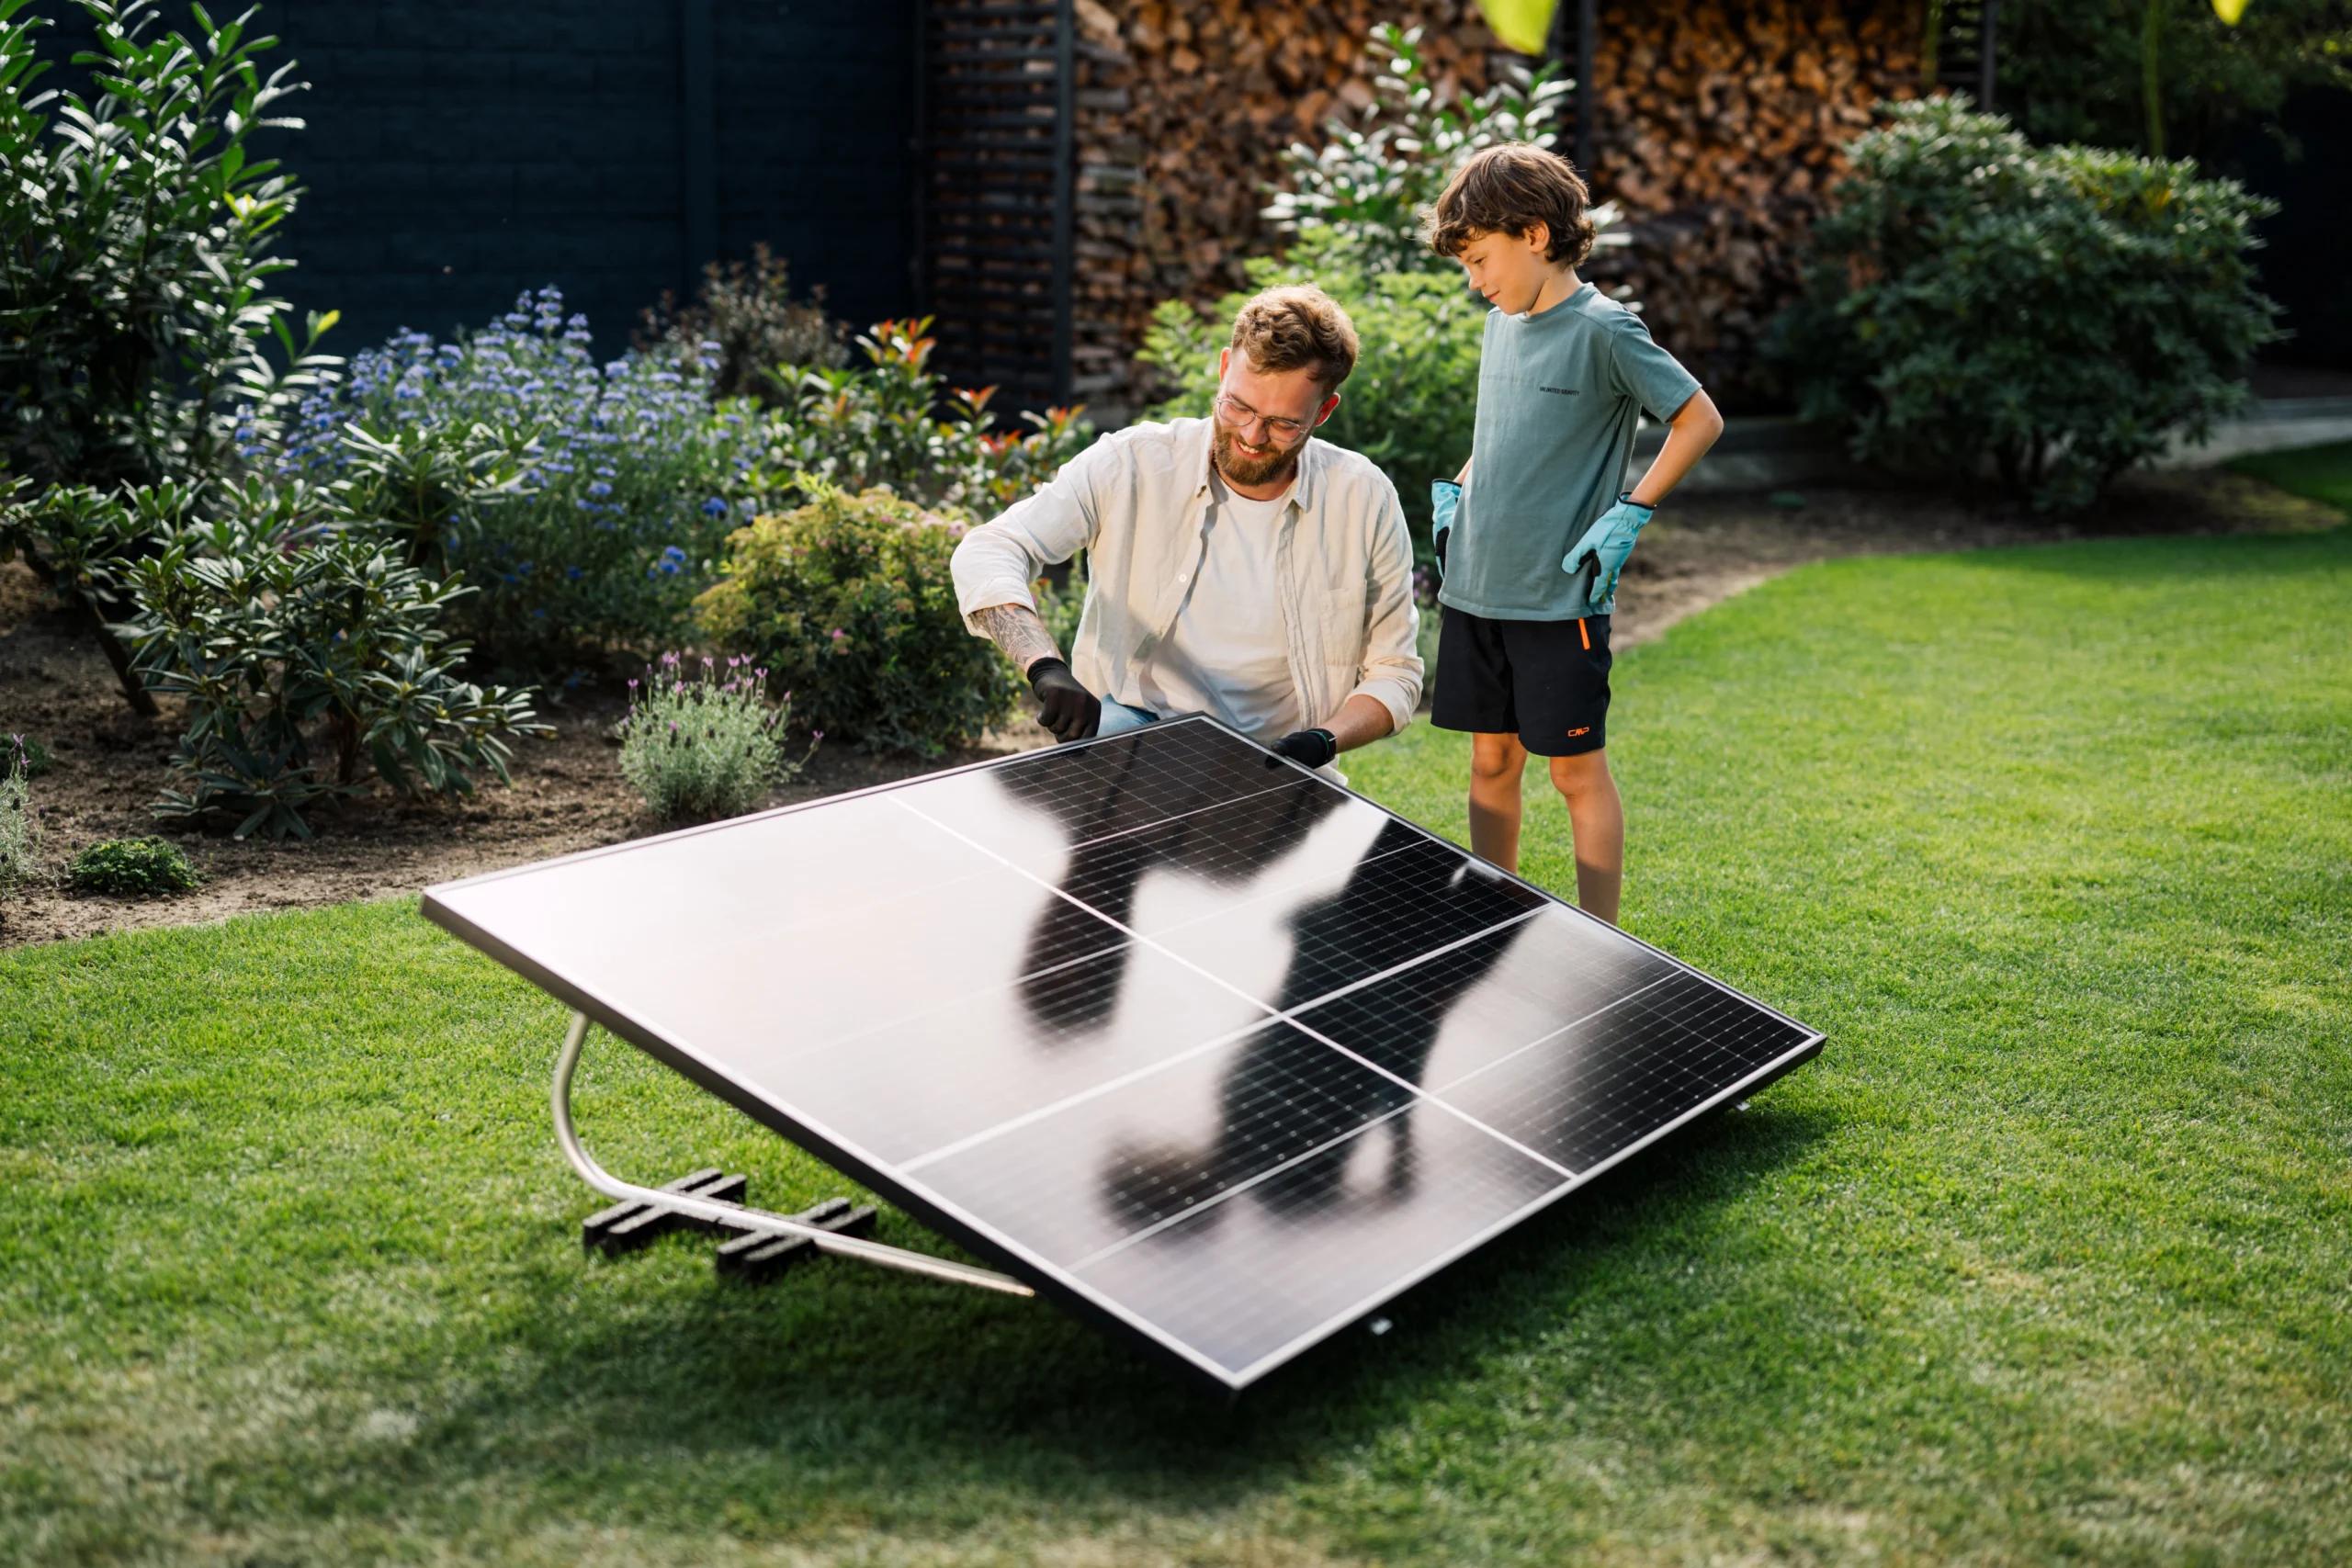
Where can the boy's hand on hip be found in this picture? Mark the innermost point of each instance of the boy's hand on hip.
(1445, 498)
(1607, 543)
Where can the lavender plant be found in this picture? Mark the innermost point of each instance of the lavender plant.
(21, 832)
(700, 741)
(585, 502)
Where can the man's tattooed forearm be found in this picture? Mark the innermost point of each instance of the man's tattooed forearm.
(1019, 632)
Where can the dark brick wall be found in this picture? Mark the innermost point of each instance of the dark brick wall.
(457, 153)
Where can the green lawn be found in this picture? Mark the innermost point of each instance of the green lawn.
(2323, 473)
(2048, 1255)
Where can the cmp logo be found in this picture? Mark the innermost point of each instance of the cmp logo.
(1560, 391)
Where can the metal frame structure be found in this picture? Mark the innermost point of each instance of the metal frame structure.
(741, 1217)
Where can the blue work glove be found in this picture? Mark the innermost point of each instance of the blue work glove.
(1607, 543)
(1444, 496)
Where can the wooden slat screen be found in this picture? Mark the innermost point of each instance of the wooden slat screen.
(994, 220)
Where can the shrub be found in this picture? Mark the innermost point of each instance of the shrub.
(700, 741)
(585, 504)
(1411, 404)
(2062, 311)
(1370, 182)
(895, 425)
(132, 868)
(748, 320)
(307, 647)
(2166, 76)
(847, 599)
(21, 832)
(134, 250)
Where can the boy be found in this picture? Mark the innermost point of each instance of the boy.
(1535, 530)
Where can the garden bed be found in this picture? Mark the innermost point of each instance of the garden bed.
(568, 793)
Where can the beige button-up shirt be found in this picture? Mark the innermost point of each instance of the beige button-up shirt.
(1137, 503)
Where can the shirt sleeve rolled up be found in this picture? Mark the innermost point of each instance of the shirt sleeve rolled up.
(998, 561)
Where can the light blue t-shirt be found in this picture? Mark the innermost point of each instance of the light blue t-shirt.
(1559, 395)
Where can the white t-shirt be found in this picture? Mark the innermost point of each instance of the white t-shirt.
(1224, 655)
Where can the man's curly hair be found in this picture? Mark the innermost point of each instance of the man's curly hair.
(1297, 327)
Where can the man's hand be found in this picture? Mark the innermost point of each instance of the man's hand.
(1607, 543)
(1445, 496)
(1308, 748)
(1064, 708)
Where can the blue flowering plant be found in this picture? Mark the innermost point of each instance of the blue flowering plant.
(583, 502)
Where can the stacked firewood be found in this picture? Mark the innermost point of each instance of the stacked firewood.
(1719, 127)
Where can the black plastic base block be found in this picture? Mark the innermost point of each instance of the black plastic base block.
(626, 1227)
(757, 1257)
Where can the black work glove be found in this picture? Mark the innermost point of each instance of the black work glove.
(1308, 748)
(1065, 707)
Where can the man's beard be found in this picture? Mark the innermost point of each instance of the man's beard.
(1275, 468)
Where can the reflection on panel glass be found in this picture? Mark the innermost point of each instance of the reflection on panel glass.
(1615, 1077)
(1273, 1157)
(669, 909)
(916, 1086)
(1106, 787)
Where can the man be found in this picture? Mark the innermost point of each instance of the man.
(1236, 566)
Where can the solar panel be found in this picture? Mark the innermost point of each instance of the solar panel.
(1206, 1048)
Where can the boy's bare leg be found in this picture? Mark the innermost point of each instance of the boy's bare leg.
(1597, 817)
(1496, 763)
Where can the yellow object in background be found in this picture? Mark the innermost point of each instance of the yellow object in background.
(2228, 10)
(1524, 25)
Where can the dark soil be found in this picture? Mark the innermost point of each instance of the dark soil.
(568, 795)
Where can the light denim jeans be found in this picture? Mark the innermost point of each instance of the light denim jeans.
(1118, 717)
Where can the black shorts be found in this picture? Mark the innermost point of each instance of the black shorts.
(1546, 682)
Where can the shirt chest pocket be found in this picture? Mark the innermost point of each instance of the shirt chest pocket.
(1334, 600)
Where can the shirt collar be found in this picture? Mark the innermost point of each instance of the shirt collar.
(1310, 462)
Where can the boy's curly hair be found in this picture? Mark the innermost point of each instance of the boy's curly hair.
(1297, 327)
(1509, 190)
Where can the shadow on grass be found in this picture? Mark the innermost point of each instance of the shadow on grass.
(899, 1384)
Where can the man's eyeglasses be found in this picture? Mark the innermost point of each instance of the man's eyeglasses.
(1235, 412)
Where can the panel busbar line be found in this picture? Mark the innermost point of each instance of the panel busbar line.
(1211, 1051)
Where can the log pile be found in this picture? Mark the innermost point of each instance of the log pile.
(1183, 108)
(1719, 128)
